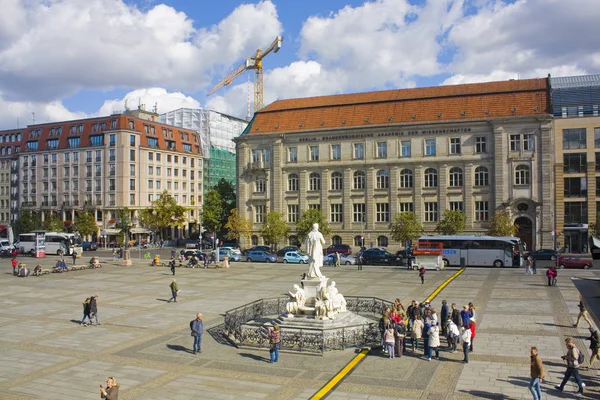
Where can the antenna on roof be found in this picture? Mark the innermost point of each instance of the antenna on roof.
(32, 118)
(155, 108)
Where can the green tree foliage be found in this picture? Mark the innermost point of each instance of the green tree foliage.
(212, 212)
(27, 222)
(237, 226)
(306, 221)
(406, 227)
(163, 214)
(227, 192)
(275, 229)
(501, 225)
(452, 222)
(53, 224)
(85, 224)
(594, 229)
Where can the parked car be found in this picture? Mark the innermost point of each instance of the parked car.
(295, 257)
(89, 246)
(234, 250)
(544, 254)
(256, 248)
(232, 256)
(260, 256)
(194, 252)
(281, 253)
(574, 262)
(344, 259)
(381, 257)
(338, 248)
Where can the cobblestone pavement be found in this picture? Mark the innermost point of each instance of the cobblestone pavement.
(145, 343)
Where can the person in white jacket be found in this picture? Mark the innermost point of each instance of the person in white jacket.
(434, 340)
(466, 340)
(453, 335)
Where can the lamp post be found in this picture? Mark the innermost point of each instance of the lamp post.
(126, 224)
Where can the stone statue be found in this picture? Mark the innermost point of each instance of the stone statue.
(314, 246)
(298, 298)
(337, 299)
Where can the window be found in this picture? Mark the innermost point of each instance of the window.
(76, 156)
(482, 176)
(383, 179)
(314, 181)
(158, 170)
(158, 157)
(176, 159)
(430, 147)
(481, 144)
(431, 211)
(132, 139)
(515, 142)
(359, 212)
(359, 180)
(575, 162)
(158, 185)
(132, 199)
(175, 171)
(576, 187)
(73, 142)
(406, 179)
(260, 185)
(383, 212)
(259, 213)
(314, 206)
(131, 169)
(293, 212)
(405, 148)
(293, 154)
(336, 152)
(112, 139)
(131, 155)
(482, 211)
(381, 149)
(336, 181)
(456, 177)
(336, 212)
(150, 170)
(52, 144)
(522, 176)
(596, 137)
(359, 151)
(314, 153)
(457, 206)
(32, 145)
(382, 241)
(336, 240)
(574, 138)
(152, 142)
(113, 124)
(406, 207)
(98, 170)
(67, 157)
(293, 183)
(97, 140)
(431, 178)
(132, 184)
(528, 142)
(455, 146)
(576, 212)
(111, 184)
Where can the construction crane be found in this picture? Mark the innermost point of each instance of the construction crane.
(254, 63)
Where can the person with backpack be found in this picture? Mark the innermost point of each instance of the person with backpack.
(594, 340)
(574, 359)
(197, 328)
(174, 291)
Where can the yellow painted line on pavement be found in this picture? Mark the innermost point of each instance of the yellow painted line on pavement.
(344, 372)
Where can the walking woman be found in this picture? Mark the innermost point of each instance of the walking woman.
(112, 390)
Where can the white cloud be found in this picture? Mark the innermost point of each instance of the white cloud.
(164, 101)
(19, 114)
(497, 75)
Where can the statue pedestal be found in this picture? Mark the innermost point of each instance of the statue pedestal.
(312, 288)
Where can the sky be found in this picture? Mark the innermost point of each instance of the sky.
(68, 59)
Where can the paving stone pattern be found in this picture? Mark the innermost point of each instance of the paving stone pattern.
(145, 342)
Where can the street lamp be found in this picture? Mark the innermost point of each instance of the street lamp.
(126, 224)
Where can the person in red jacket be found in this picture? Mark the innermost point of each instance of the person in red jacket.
(472, 327)
(15, 263)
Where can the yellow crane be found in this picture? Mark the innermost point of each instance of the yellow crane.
(254, 63)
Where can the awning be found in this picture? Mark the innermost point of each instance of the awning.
(109, 232)
(139, 230)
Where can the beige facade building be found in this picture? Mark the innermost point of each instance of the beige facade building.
(365, 157)
(10, 142)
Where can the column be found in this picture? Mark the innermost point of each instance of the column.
(468, 197)
(303, 184)
(346, 199)
(442, 189)
(276, 185)
(394, 184)
(325, 186)
(419, 193)
(370, 204)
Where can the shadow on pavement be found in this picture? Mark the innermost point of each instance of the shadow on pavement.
(255, 357)
(177, 347)
(485, 395)
(165, 300)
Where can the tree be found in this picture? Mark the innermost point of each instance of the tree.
(28, 222)
(163, 214)
(212, 212)
(85, 224)
(53, 224)
(275, 229)
(306, 221)
(501, 225)
(594, 228)
(405, 227)
(123, 222)
(238, 226)
(227, 192)
(452, 222)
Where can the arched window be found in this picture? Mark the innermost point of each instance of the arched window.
(336, 240)
(383, 179)
(254, 240)
(359, 180)
(260, 184)
(358, 241)
(456, 177)
(336, 181)
(522, 175)
(293, 240)
(293, 183)
(431, 178)
(314, 181)
(482, 176)
(406, 179)
(382, 241)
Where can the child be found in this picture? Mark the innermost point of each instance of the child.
(389, 340)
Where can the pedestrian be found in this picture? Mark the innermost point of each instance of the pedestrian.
(360, 261)
(174, 291)
(112, 390)
(465, 316)
(465, 337)
(197, 327)
(94, 309)
(422, 274)
(455, 315)
(417, 332)
(426, 327)
(582, 313)
(453, 335)
(573, 360)
(434, 341)
(172, 266)
(274, 342)
(528, 265)
(554, 276)
(74, 256)
(537, 374)
(86, 312)
(15, 264)
(389, 339)
(549, 274)
(206, 261)
(173, 253)
(472, 327)
(594, 340)
(400, 334)
(444, 315)
(114, 254)
(337, 259)
(226, 261)
(533, 266)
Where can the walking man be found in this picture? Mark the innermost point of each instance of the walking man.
(466, 341)
(174, 291)
(359, 261)
(197, 331)
(582, 314)
(444, 315)
(74, 256)
(572, 358)
(537, 374)
(172, 266)
(86, 312)
(594, 340)
(337, 259)
(422, 274)
(94, 309)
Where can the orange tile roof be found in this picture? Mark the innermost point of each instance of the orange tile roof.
(442, 103)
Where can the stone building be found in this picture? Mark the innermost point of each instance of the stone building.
(362, 158)
(10, 143)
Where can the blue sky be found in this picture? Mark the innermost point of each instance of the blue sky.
(71, 58)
